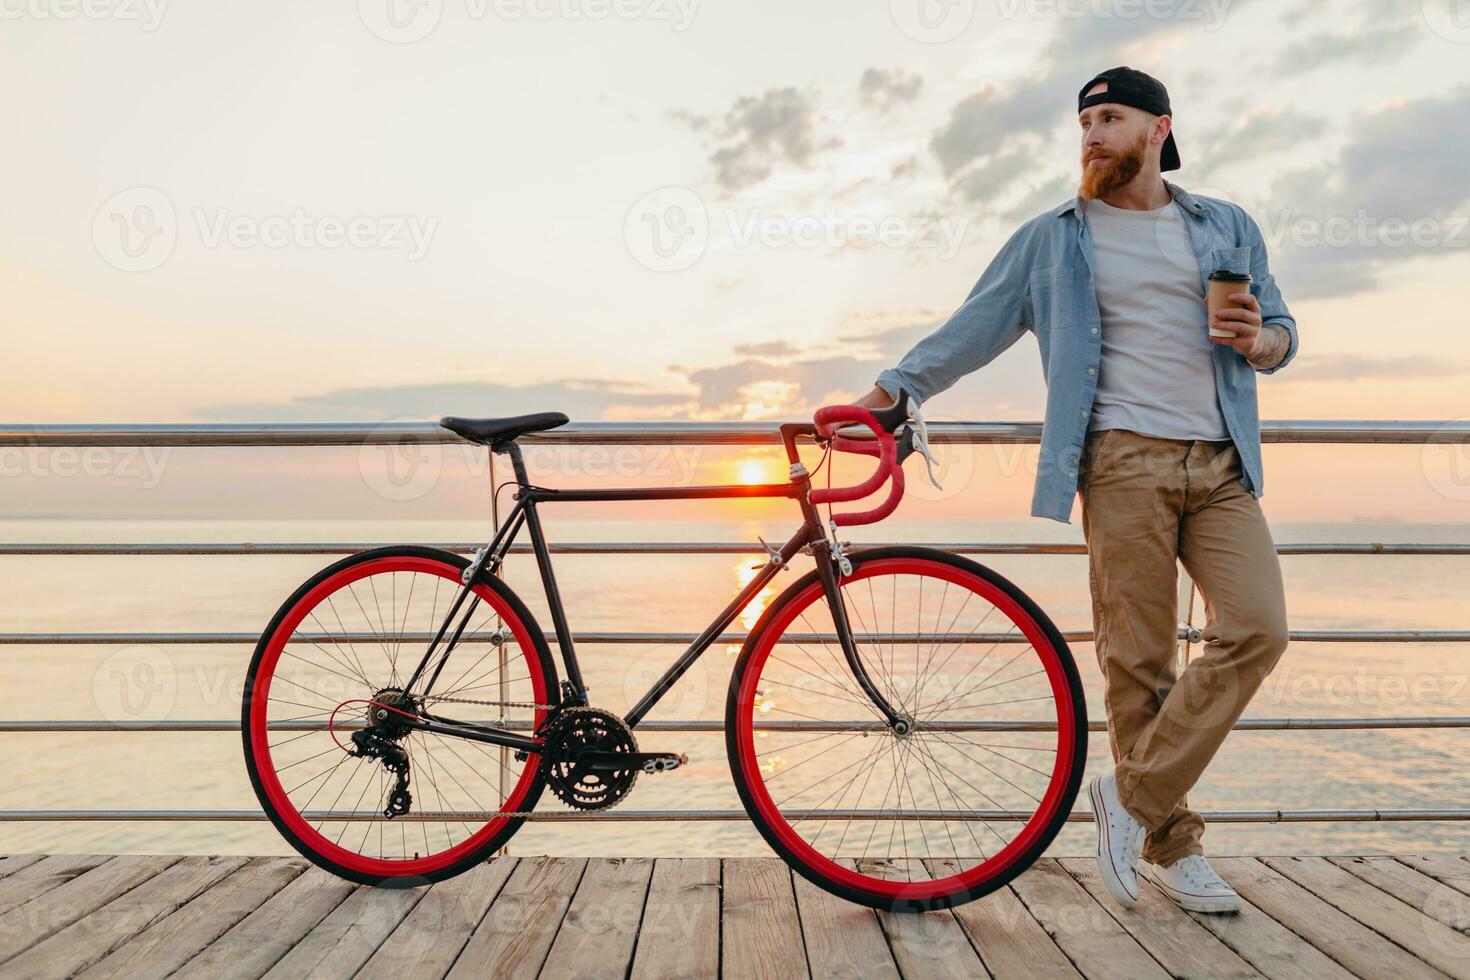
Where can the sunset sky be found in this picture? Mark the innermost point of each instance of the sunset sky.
(375, 209)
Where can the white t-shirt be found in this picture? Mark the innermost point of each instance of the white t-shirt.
(1157, 374)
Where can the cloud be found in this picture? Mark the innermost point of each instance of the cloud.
(764, 380)
(978, 183)
(1361, 48)
(885, 89)
(768, 348)
(1023, 116)
(1046, 195)
(760, 132)
(1264, 131)
(1395, 192)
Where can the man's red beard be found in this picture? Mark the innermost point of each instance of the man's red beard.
(1115, 171)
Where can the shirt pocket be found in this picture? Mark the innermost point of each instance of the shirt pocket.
(1050, 291)
(1235, 258)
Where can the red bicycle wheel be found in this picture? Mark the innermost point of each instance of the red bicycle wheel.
(983, 778)
(344, 643)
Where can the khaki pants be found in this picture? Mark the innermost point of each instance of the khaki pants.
(1146, 502)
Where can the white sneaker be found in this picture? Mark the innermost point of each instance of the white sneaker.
(1119, 840)
(1194, 885)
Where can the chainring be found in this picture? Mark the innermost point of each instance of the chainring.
(574, 731)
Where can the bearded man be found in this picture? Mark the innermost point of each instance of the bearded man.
(1153, 422)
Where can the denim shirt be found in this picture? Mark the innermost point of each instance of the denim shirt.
(1042, 280)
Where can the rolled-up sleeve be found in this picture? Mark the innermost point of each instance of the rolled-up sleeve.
(1268, 295)
(991, 319)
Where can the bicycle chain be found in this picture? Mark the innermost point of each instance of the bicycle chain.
(511, 814)
(502, 704)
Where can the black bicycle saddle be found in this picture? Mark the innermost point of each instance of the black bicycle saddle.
(491, 432)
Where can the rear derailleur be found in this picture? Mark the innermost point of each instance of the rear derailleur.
(380, 740)
(368, 744)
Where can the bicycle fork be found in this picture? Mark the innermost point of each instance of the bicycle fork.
(826, 571)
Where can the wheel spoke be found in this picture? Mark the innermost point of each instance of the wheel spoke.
(312, 780)
(931, 787)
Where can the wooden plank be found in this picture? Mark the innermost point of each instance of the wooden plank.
(927, 944)
(23, 927)
(427, 943)
(1085, 931)
(1429, 939)
(1444, 868)
(40, 877)
(680, 935)
(1337, 935)
(518, 930)
(93, 936)
(1010, 941)
(760, 934)
(11, 863)
(343, 941)
(1433, 898)
(843, 939)
(1266, 944)
(1180, 944)
(257, 941)
(601, 925)
(173, 941)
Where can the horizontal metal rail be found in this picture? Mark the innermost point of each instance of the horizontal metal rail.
(618, 815)
(1385, 432)
(151, 549)
(696, 725)
(602, 636)
(1415, 431)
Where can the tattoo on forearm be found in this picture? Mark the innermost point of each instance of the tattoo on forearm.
(1275, 342)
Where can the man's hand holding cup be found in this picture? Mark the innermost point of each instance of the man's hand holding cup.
(1235, 314)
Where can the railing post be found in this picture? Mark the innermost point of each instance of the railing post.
(1186, 593)
(500, 648)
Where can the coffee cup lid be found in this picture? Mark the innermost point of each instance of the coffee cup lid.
(1226, 275)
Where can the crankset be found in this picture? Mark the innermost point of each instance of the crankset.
(591, 759)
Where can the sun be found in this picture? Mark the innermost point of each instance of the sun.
(752, 472)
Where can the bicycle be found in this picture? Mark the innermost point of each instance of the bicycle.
(890, 730)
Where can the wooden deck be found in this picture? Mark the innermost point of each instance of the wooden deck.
(99, 916)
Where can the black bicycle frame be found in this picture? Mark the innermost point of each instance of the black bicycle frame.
(574, 691)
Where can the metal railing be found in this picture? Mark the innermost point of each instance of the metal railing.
(690, 433)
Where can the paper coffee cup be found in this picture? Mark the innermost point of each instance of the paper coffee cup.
(1222, 284)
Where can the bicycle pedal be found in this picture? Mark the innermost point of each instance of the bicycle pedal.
(661, 761)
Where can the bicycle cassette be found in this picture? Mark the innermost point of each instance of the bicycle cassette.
(580, 758)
